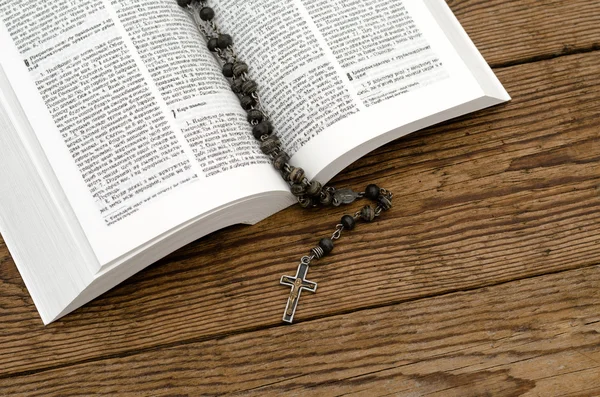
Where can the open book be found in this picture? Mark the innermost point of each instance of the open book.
(121, 140)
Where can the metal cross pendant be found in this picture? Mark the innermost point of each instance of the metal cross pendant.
(297, 283)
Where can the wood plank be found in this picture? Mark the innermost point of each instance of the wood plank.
(509, 193)
(535, 337)
(516, 31)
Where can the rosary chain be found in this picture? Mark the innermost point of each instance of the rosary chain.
(309, 193)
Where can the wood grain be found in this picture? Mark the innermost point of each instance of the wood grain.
(450, 294)
(536, 337)
(517, 31)
(509, 193)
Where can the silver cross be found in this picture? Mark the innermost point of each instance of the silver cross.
(297, 283)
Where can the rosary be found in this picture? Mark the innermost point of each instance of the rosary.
(309, 193)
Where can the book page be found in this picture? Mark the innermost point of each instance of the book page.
(299, 85)
(191, 84)
(334, 74)
(136, 129)
(378, 45)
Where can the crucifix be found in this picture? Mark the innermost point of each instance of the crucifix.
(297, 283)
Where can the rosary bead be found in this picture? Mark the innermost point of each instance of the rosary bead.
(281, 160)
(207, 13)
(326, 244)
(348, 222)
(269, 145)
(314, 189)
(184, 3)
(249, 87)
(212, 44)
(372, 191)
(239, 68)
(236, 85)
(263, 128)
(247, 102)
(296, 174)
(305, 202)
(326, 198)
(367, 213)
(385, 203)
(255, 116)
(297, 189)
(228, 69)
(224, 41)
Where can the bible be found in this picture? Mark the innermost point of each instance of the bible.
(126, 132)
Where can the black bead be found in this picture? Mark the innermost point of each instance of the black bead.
(305, 202)
(326, 244)
(280, 161)
(247, 102)
(326, 197)
(348, 222)
(270, 145)
(255, 116)
(239, 68)
(367, 213)
(184, 3)
(249, 87)
(263, 128)
(372, 191)
(314, 188)
(228, 69)
(297, 189)
(385, 203)
(224, 41)
(207, 13)
(296, 175)
(236, 86)
(212, 44)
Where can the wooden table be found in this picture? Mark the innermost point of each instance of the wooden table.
(483, 280)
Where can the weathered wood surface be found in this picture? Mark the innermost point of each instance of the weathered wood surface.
(536, 337)
(507, 194)
(518, 31)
